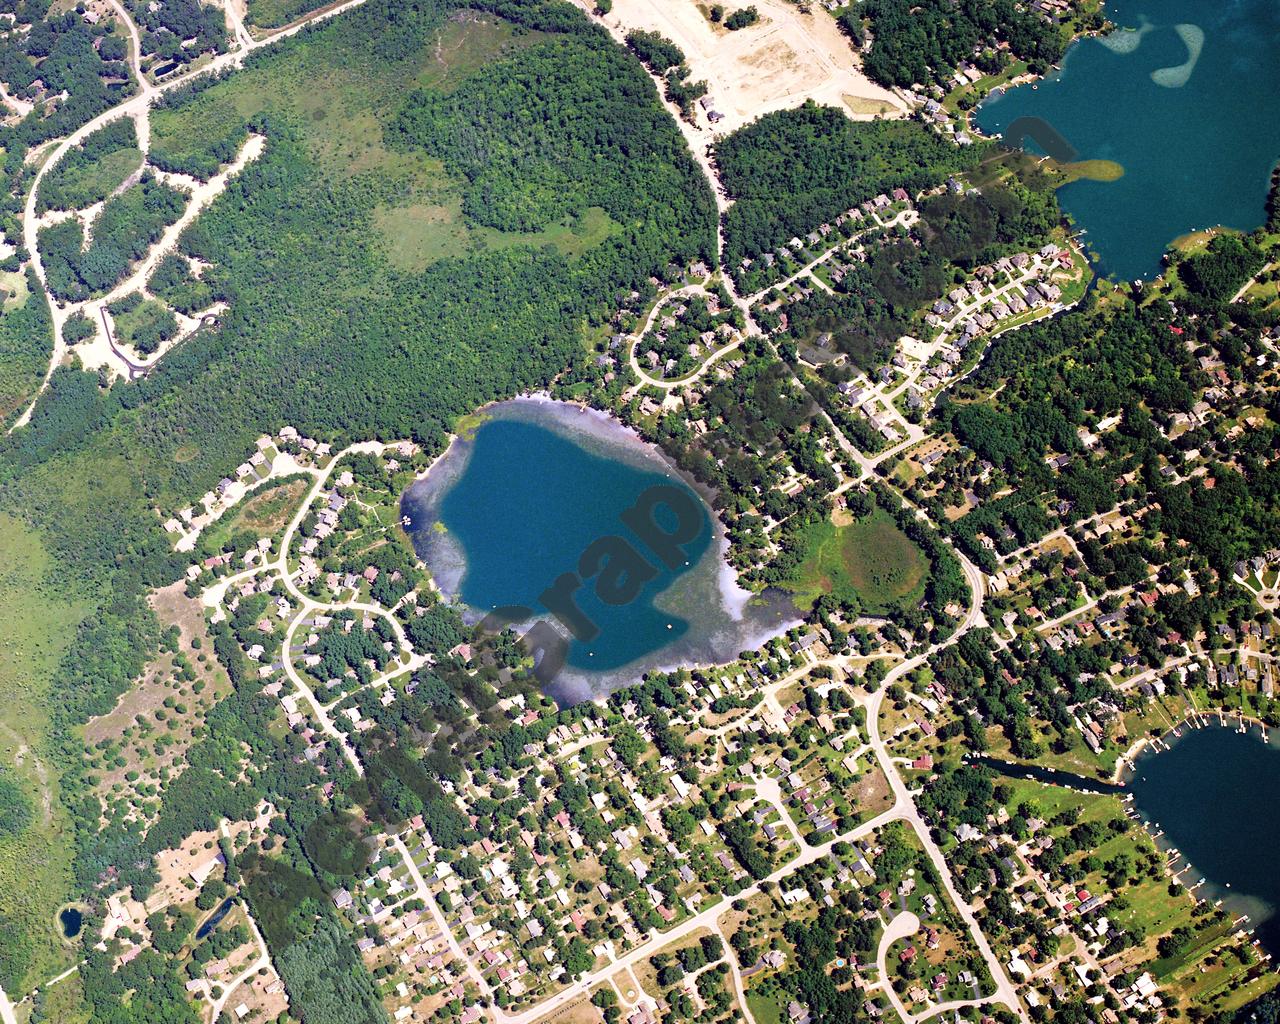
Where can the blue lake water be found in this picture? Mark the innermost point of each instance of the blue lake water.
(1184, 98)
(1212, 793)
(505, 513)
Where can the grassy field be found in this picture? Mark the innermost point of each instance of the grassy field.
(864, 107)
(34, 865)
(340, 110)
(264, 514)
(97, 180)
(419, 234)
(647, 975)
(156, 721)
(870, 558)
(145, 326)
(270, 509)
(421, 221)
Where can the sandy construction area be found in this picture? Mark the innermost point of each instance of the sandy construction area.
(782, 60)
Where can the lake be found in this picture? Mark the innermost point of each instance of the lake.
(510, 509)
(1183, 99)
(1212, 792)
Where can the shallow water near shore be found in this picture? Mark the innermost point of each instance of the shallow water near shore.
(1183, 98)
(509, 509)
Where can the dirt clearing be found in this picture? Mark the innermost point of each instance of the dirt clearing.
(779, 62)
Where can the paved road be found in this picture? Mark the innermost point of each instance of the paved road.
(1005, 992)
(903, 809)
(308, 606)
(903, 925)
(424, 894)
(633, 344)
(705, 919)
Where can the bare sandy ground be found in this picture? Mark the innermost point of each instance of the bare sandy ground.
(782, 60)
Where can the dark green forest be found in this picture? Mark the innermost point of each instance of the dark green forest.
(794, 169)
(25, 343)
(919, 43)
(324, 334)
(128, 225)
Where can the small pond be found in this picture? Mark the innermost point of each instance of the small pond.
(216, 918)
(72, 920)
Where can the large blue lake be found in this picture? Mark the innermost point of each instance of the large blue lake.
(1212, 792)
(509, 510)
(1184, 98)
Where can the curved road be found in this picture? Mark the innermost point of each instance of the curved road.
(136, 106)
(903, 808)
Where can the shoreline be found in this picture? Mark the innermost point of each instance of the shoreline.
(1149, 746)
(1253, 913)
(732, 617)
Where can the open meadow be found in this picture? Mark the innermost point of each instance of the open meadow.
(870, 559)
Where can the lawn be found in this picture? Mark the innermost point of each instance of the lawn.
(1079, 759)
(765, 1009)
(984, 85)
(1049, 801)
(35, 872)
(870, 559)
(1151, 907)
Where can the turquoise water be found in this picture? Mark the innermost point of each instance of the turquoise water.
(503, 515)
(1213, 794)
(1185, 101)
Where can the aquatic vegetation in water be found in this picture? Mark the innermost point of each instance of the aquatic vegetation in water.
(1126, 40)
(1176, 77)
